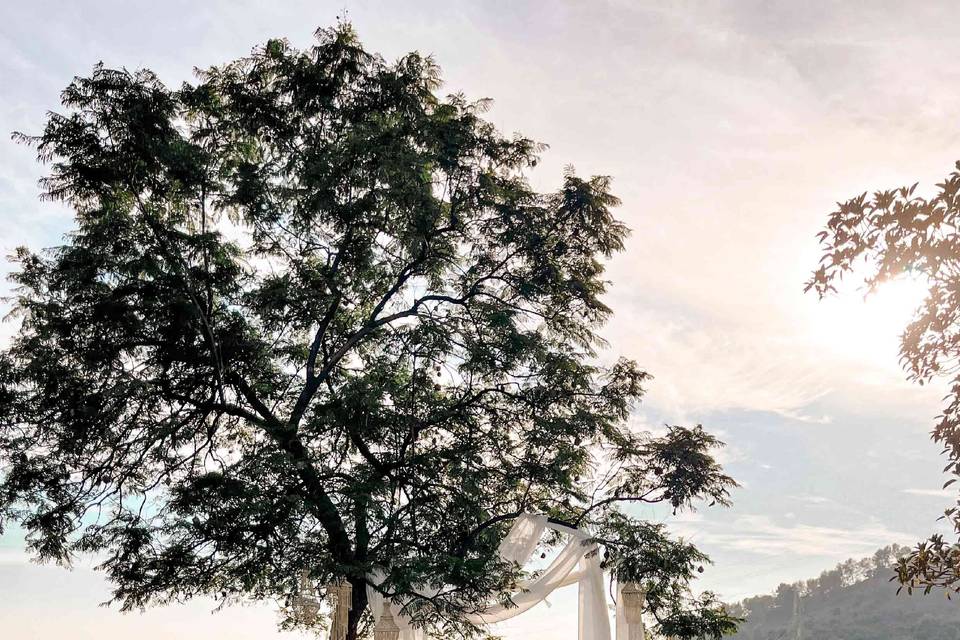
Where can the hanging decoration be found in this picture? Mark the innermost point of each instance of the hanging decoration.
(306, 604)
(386, 627)
(340, 596)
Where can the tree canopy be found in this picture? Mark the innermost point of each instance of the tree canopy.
(885, 236)
(313, 316)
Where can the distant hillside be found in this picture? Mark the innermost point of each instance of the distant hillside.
(854, 601)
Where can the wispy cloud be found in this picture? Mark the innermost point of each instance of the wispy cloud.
(812, 499)
(932, 493)
(759, 534)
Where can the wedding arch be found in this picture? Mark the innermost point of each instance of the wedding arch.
(578, 562)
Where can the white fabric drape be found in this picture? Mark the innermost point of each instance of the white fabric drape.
(536, 591)
(521, 541)
(578, 562)
(594, 619)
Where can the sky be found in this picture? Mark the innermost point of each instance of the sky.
(730, 130)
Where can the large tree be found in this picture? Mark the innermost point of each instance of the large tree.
(312, 316)
(882, 237)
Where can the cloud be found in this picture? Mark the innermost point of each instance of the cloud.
(701, 365)
(804, 362)
(933, 493)
(759, 534)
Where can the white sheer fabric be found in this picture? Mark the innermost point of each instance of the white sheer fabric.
(536, 591)
(521, 541)
(594, 618)
(577, 563)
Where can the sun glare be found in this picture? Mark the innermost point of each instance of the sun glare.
(867, 329)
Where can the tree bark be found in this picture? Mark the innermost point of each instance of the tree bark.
(359, 605)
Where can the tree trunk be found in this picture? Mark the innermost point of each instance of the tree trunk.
(359, 605)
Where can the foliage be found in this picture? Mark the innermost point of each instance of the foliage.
(853, 601)
(313, 316)
(892, 233)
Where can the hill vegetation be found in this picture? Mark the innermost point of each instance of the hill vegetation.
(853, 601)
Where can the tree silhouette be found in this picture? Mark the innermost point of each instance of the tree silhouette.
(312, 316)
(889, 234)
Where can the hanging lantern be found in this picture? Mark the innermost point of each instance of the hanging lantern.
(306, 609)
(634, 599)
(340, 596)
(305, 604)
(386, 628)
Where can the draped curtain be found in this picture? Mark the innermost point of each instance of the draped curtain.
(577, 563)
